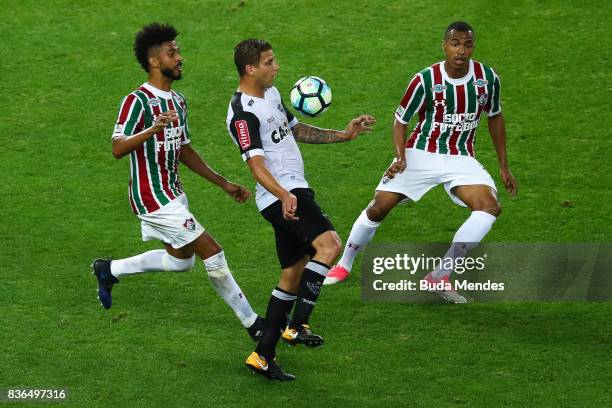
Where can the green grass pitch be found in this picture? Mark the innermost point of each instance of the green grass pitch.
(169, 341)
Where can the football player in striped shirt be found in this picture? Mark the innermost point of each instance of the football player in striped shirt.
(449, 98)
(152, 130)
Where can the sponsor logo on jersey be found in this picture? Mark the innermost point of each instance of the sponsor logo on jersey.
(400, 111)
(280, 133)
(172, 139)
(438, 88)
(480, 82)
(271, 119)
(153, 102)
(118, 129)
(189, 224)
(251, 102)
(244, 139)
(459, 122)
(482, 99)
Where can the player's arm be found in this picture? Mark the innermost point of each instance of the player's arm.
(399, 143)
(497, 129)
(311, 134)
(192, 159)
(411, 102)
(123, 145)
(262, 175)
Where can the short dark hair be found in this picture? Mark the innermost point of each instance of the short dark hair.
(459, 26)
(152, 35)
(248, 52)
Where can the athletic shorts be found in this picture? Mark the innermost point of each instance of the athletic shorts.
(426, 170)
(172, 224)
(294, 238)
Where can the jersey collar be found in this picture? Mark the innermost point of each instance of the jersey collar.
(158, 92)
(458, 81)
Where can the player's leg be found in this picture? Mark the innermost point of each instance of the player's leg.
(469, 185)
(222, 280)
(158, 260)
(482, 200)
(362, 232)
(320, 240)
(326, 249)
(263, 359)
(279, 306)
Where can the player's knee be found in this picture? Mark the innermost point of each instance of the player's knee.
(335, 246)
(216, 265)
(492, 207)
(376, 213)
(328, 248)
(174, 264)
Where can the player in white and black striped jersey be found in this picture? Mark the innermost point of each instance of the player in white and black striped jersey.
(306, 242)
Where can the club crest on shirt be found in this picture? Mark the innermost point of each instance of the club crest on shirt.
(482, 99)
(480, 82)
(189, 224)
(153, 102)
(438, 88)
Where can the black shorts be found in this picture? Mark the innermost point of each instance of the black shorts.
(294, 238)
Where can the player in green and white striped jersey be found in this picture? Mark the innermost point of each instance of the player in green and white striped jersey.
(449, 98)
(152, 129)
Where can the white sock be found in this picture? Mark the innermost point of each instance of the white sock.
(224, 284)
(468, 236)
(362, 232)
(157, 260)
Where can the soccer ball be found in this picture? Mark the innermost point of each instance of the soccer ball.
(311, 96)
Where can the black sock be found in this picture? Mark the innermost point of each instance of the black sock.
(310, 287)
(276, 319)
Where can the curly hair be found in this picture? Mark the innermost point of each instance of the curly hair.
(152, 35)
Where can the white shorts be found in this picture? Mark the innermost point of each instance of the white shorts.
(172, 224)
(426, 170)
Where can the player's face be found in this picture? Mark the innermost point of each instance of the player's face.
(267, 69)
(170, 60)
(458, 47)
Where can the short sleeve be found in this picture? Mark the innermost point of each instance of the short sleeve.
(291, 119)
(186, 137)
(411, 101)
(494, 106)
(129, 120)
(244, 129)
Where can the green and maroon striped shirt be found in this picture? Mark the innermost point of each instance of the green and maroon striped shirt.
(154, 178)
(449, 109)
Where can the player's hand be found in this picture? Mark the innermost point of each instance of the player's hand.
(237, 192)
(360, 124)
(162, 120)
(509, 181)
(289, 207)
(397, 166)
